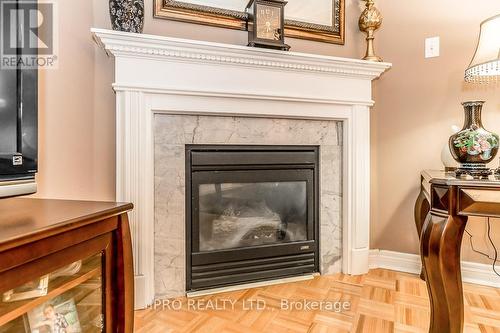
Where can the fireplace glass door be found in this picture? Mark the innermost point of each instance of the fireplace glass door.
(235, 215)
(234, 210)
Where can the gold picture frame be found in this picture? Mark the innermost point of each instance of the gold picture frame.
(234, 19)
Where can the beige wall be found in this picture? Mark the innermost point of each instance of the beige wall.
(76, 116)
(69, 117)
(417, 101)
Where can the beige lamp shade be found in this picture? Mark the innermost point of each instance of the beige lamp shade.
(485, 65)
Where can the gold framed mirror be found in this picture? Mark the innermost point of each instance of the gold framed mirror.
(318, 20)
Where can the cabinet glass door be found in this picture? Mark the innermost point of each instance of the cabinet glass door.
(69, 299)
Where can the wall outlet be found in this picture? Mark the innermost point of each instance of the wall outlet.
(432, 47)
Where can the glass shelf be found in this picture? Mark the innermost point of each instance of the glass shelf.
(69, 299)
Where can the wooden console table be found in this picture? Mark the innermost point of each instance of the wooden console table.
(441, 213)
(65, 265)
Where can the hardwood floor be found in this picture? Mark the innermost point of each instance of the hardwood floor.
(381, 301)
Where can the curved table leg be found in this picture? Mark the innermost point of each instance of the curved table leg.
(440, 251)
(421, 212)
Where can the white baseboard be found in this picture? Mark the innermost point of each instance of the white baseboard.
(481, 274)
(139, 284)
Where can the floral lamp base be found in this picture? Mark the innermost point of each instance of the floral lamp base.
(473, 146)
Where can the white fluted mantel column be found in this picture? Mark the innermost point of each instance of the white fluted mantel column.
(162, 75)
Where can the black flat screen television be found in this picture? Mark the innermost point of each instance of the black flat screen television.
(18, 120)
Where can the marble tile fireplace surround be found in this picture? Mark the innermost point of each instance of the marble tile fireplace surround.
(173, 132)
(173, 92)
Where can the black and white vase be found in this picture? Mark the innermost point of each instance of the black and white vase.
(127, 15)
(473, 146)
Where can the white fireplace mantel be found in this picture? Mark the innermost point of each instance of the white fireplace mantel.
(156, 74)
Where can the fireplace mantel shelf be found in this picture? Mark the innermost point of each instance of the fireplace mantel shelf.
(162, 75)
(158, 47)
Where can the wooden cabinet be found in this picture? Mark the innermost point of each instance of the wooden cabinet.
(65, 265)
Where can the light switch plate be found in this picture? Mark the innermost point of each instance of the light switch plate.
(432, 47)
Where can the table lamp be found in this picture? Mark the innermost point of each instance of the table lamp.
(485, 65)
(473, 146)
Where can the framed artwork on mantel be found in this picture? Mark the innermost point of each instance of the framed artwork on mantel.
(318, 20)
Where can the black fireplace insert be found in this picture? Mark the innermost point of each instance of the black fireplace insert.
(251, 213)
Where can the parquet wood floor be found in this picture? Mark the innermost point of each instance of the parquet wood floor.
(380, 301)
